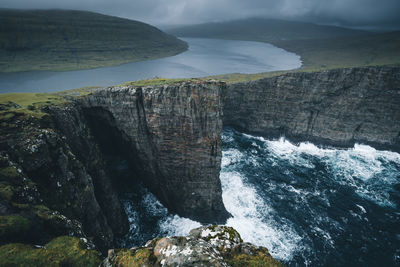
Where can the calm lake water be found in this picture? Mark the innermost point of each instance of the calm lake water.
(205, 57)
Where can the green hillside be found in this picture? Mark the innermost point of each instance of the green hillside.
(320, 47)
(266, 30)
(357, 51)
(66, 40)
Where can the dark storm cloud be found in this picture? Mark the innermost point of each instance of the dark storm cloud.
(356, 12)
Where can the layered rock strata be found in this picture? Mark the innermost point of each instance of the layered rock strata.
(335, 107)
(58, 179)
(55, 177)
(172, 137)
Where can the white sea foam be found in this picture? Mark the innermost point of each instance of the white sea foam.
(356, 167)
(177, 226)
(257, 222)
(231, 156)
(249, 218)
(173, 225)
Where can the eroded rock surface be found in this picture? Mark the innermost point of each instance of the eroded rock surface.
(54, 163)
(335, 107)
(55, 175)
(217, 246)
(172, 137)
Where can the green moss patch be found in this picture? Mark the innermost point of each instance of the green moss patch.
(6, 191)
(61, 251)
(252, 256)
(244, 260)
(12, 226)
(134, 258)
(26, 104)
(8, 173)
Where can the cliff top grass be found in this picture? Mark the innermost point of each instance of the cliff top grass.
(167, 81)
(31, 104)
(241, 77)
(27, 104)
(61, 251)
(13, 225)
(153, 82)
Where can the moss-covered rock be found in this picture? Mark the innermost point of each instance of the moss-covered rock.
(244, 260)
(6, 191)
(218, 246)
(36, 224)
(62, 251)
(13, 226)
(246, 254)
(8, 173)
(44, 180)
(130, 257)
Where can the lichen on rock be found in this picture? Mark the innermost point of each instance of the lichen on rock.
(217, 246)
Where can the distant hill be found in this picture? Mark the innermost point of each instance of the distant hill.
(320, 47)
(67, 40)
(265, 30)
(351, 51)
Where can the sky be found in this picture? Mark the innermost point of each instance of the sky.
(357, 13)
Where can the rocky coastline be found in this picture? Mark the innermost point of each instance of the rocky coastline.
(58, 189)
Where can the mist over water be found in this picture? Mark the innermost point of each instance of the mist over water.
(307, 205)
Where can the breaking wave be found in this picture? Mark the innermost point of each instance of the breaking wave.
(308, 205)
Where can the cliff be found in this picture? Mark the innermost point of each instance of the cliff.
(170, 135)
(337, 107)
(55, 169)
(57, 176)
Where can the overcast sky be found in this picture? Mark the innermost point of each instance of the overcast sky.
(161, 12)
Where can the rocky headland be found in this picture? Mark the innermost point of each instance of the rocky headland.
(58, 189)
(336, 107)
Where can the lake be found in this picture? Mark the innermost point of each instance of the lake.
(205, 57)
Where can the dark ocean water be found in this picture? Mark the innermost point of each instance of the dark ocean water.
(309, 206)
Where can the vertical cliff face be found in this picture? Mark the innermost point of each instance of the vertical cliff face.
(56, 176)
(171, 136)
(58, 179)
(337, 107)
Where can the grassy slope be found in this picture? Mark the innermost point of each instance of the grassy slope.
(61, 251)
(320, 47)
(266, 30)
(66, 40)
(367, 50)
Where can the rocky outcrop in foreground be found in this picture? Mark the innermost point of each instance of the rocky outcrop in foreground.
(218, 246)
(336, 107)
